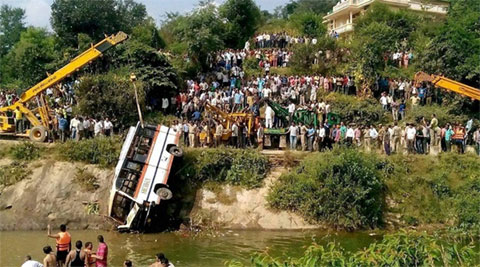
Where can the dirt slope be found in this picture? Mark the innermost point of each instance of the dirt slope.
(51, 196)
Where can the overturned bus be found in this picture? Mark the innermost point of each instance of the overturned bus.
(140, 184)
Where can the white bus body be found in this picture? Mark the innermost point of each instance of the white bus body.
(142, 173)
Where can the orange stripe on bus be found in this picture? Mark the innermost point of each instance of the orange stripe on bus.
(139, 185)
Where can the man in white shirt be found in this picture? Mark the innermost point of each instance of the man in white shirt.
(373, 134)
(292, 130)
(384, 101)
(350, 135)
(31, 263)
(266, 92)
(410, 133)
(86, 127)
(291, 111)
(73, 127)
(269, 113)
(98, 130)
(107, 127)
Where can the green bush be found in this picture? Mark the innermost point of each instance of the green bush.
(399, 249)
(99, 150)
(86, 180)
(444, 189)
(445, 114)
(343, 188)
(244, 167)
(25, 151)
(358, 110)
(13, 173)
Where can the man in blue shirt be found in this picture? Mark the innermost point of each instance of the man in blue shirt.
(62, 127)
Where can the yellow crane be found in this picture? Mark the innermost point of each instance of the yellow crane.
(32, 102)
(448, 84)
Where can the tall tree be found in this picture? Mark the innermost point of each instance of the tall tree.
(455, 50)
(242, 19)
(29, 59)
(94, 18)
(11, 26)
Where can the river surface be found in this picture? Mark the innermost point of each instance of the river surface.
(206, 249)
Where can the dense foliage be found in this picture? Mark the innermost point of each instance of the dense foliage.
(25, 151)
(11, 26)
(399, 249)
(453, 51)
(94, 18)
(430, 190)
(27, 62)
(357, 110)
(242, 167)
(343, 188)
(242, 18)
(100, 150)
(13, 173)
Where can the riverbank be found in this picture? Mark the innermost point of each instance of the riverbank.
(420, 192)
(52, 193)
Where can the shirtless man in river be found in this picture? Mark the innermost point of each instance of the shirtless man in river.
(50, 260)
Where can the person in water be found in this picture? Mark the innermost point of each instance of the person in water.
(31, 263)
(89, 261)
(102, 253)
(127, 263)
(161, 261)
(64, 243)
(50, 260)
(76, 258)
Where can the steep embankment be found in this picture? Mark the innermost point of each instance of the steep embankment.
(236, 208)
(50, 195)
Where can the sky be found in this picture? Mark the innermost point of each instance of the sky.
(38, 11)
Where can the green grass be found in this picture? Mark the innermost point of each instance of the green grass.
(13, 173)
(25, 151)
(86, 180)
(103, 151)
(243, 167)
(435, 190)
(399, 249)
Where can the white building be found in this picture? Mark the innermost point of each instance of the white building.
(342, 18)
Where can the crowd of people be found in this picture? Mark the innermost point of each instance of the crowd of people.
(411, 138)
(64, 125)
(83, 255)
(230, 92)
(280, 40)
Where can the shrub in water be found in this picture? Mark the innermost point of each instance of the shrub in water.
(343, 188)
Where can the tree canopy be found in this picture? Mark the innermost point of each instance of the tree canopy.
(11, 26)
(94, 18)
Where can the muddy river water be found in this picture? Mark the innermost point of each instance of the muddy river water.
(211, 249)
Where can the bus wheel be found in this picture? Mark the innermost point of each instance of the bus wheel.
(38, 134)
(176, 151)
(164, 193)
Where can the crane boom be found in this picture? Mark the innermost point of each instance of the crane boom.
(81, 60)
(39, 118)
(448, 84)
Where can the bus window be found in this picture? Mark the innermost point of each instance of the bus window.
(133, 166)
(121, 207)
(127, 182)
